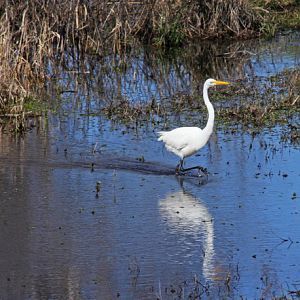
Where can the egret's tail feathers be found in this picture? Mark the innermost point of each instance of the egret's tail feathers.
(161, 135)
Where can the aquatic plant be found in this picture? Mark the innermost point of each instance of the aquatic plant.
(260, 107)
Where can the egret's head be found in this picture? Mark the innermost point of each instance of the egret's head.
(212, 82)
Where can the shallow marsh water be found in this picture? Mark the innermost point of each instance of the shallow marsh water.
(147, 234)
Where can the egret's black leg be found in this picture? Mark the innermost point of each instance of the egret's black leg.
(202, 169)
(179, 167)
(181, 171)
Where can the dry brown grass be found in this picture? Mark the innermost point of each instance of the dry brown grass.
(35, 33)
(208, 19)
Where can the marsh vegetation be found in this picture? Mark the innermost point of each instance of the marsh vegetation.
(41, 41)
(90, 206)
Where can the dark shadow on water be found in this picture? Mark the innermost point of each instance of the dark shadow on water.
(117, 164)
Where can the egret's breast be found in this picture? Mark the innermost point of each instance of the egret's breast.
(188, 151)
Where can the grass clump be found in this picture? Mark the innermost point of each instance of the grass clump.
(276, 15)
(177, 21)
(276, 99)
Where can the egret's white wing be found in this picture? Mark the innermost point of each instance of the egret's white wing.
(179, 138)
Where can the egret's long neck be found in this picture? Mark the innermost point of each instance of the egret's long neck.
(211, 113)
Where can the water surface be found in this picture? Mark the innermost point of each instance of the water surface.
(146, 233)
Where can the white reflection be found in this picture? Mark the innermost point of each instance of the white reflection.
(188, 217)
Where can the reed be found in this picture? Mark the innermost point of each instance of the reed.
(37, 34)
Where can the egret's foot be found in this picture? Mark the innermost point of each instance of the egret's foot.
(179, 168)
(179, 171)
(202, 171)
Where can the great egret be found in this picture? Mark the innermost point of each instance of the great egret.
(186, 141)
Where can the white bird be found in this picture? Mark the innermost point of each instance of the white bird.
(186, 141)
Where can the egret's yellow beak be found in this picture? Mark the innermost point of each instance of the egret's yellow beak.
(217, 82)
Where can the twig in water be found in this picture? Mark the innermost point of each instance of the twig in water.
(95, 147)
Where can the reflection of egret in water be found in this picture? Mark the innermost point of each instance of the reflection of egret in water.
(189, 218)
